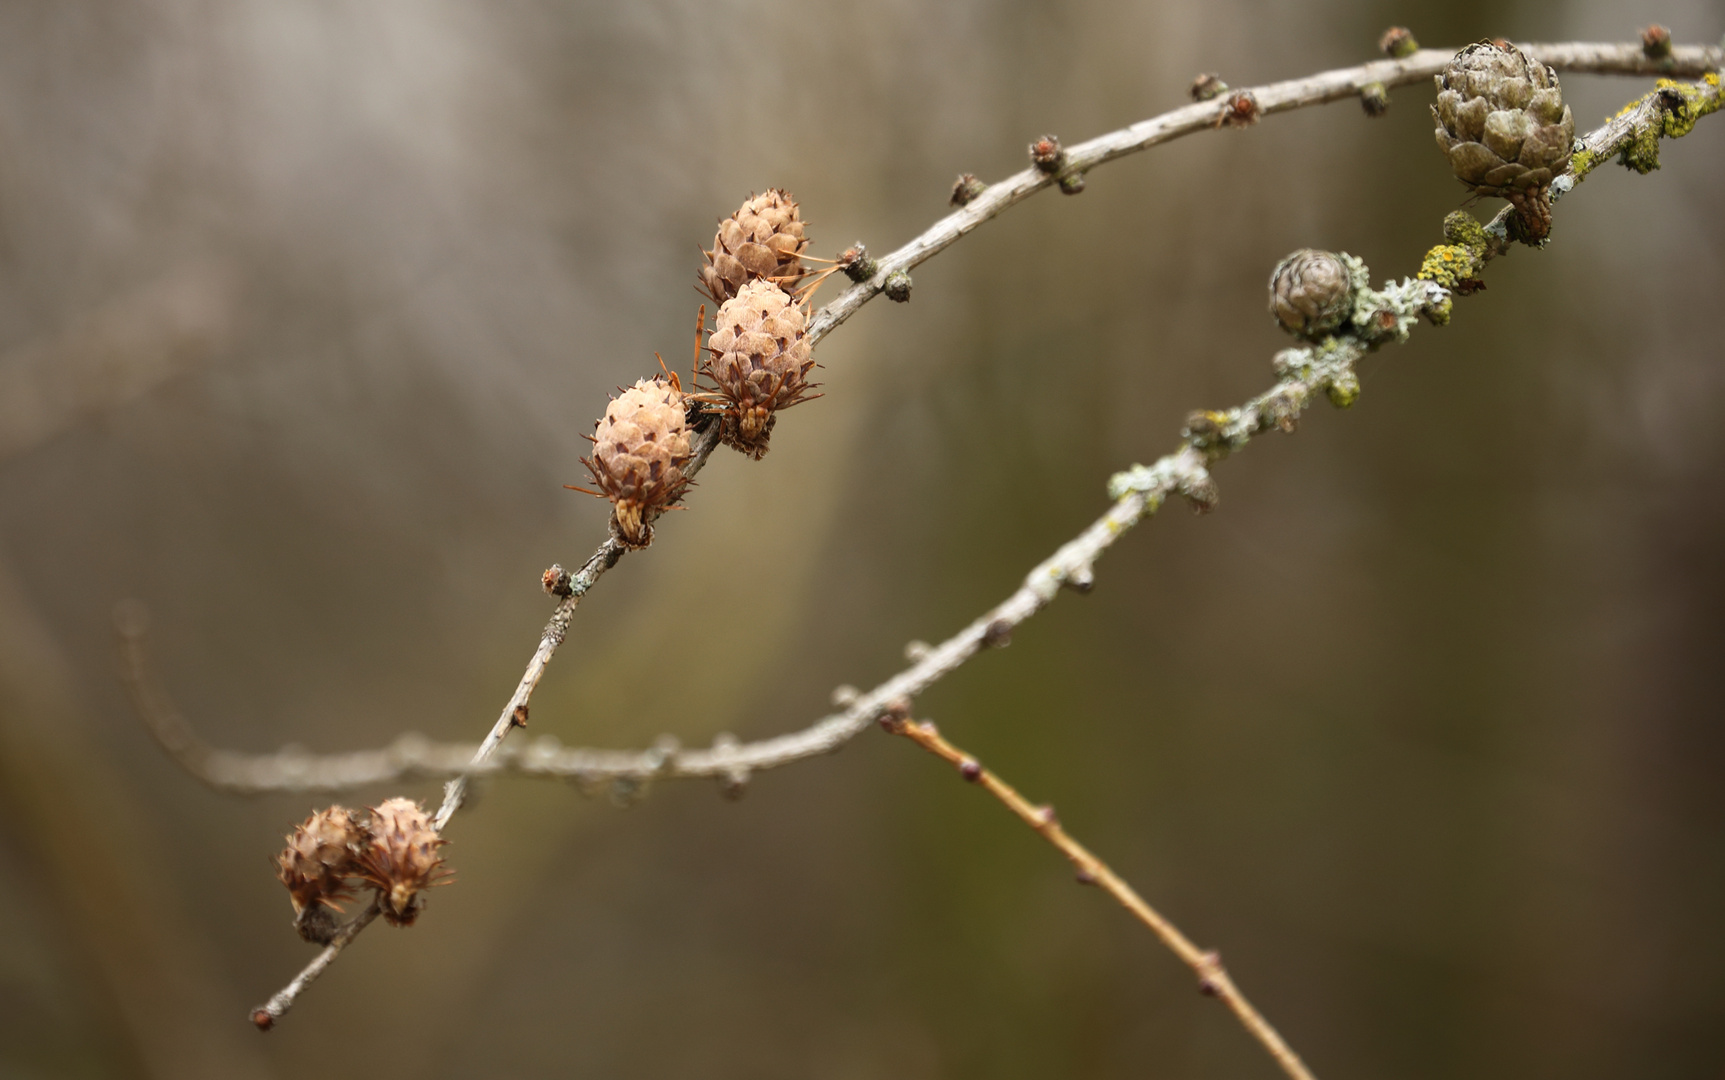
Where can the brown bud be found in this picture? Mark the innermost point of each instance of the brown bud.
(1046, 155)
(897, 286)
(760, 363)
(1375, 99)
(1072, 183)
(399, 858)
(966, 188)
(1655, 42)
(639, 449)
(556, 581)
(1398, 41)
(318, 859)
(1207, 86)
(970, 769)
(1241, 111)
(856, 263)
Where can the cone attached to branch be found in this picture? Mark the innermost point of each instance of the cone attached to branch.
(1505, 129)
(315, 866)
(640, 447)
(759, 362)
(762, 240)
(1310, 293)
(400, 859)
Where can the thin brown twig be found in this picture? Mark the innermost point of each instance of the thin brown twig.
(1213, 978)
(1140, 492)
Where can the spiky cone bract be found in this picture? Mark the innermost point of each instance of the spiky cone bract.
(759, 361)
(764, 239)
(400, 859)
(1505, 129)
(640, 447)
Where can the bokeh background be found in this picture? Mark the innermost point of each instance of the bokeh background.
(304, 307)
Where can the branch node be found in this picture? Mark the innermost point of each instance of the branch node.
(556, 581)
(897, 286)
(1080, 579)
(998, 635)
(1047, 156)
(845, 695)
(856, 263)
(1207, 86)
(966, 188)
(1375, 99)
(1398, 43)
(917, 651)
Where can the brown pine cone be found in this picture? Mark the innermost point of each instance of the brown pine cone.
(399, 857)
(763, 239)
(639, 449)
(760, 363)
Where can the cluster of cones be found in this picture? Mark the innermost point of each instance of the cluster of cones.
(334, 853)
(756, 362)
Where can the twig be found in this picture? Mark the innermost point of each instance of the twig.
(1137, 492)
(266, 1015)
(1213, 978)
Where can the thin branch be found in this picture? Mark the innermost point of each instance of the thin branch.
(1213, 978)
(1137, 492)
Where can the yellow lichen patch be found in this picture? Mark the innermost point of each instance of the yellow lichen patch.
(1448, 264)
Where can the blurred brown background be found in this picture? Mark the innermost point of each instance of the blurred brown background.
(304, 306)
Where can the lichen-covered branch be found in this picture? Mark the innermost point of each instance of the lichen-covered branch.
(1213, 978)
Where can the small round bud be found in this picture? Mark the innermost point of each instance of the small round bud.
(1241, 111)
(1398, 41)
(1046, 155)
(1201, 492)
(998, 635)
(556, 581)
(1343, 389)
(262, 1019)
(845, 695)
(966, 188)
(1655, 42)
(1207, 86)
(1310, 293)
(916, 652)
(856, 263)
(1072, 183)
(1081, 580)
(1375, 99)
(970, 769)
(897, 286)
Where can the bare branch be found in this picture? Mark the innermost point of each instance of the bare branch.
(1304, 372)
(1206, 964)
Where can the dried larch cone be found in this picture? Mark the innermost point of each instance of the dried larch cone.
(315, 866)
(640, 447)
(399, 858)
(763, 239)
(1505, 129)
(760, 362)
(1310, 293)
